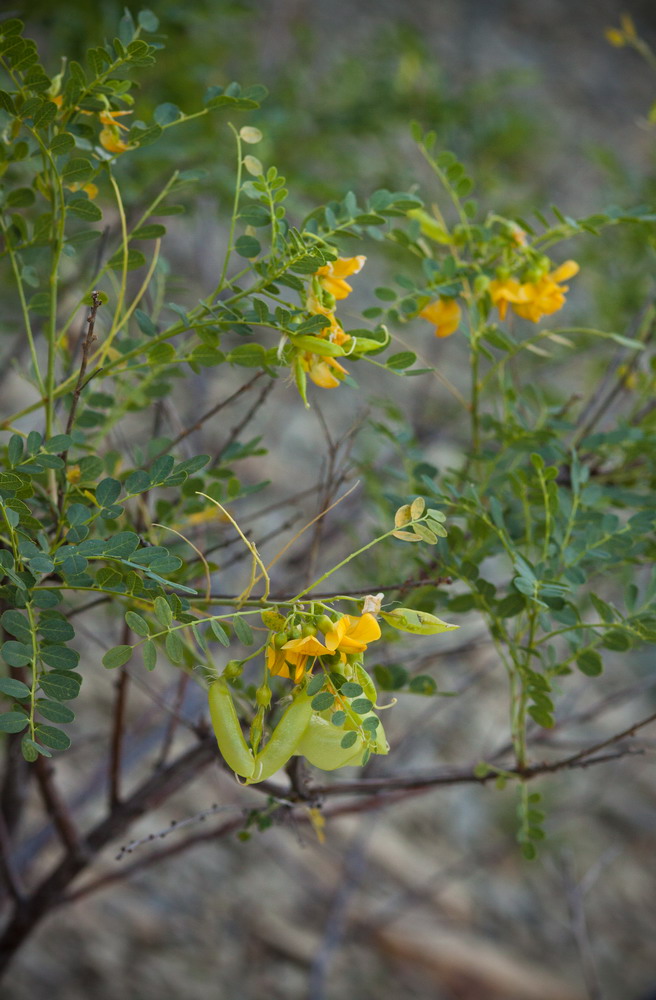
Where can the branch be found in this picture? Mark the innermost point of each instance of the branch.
(210, 413)
(57, 808)
(238, 428)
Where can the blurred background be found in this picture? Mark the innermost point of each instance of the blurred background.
(428, 899)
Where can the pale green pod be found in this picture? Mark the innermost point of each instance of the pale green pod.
(284, 739)
(321, 745)
(234, 749)
(366, 683)
(417, 622)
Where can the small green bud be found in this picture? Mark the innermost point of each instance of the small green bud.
(263, 696)
(308, 630)
(233, 669)
(279, 639)
(481, 284)
(325, 624)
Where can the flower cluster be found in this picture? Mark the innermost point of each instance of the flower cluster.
(533, 299)
(110, 134)
(345, 636)
(329, 285)
(445, 314)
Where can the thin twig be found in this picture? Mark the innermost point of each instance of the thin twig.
(172, 722)
(238, 428)
(210, 413)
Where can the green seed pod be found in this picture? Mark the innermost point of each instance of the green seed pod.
(308, 630)
(232, 745)
(279, 639)
(284, 739)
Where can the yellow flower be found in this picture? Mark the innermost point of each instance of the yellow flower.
(73, 474)
(534, 299)
(332, 276)
(507, 291)
(280, 661)
(111, 141)
(351, 635)
(322, 370)
(547, 295)
(445, 314)
(110, 138)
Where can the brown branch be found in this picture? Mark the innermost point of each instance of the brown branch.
(210, 413)
(9, 874)
(57, 808)
(49, 893)
(118, 723)
(173, 718)
(463, 776)
(238, 428)
(86, 350)
(334, 594)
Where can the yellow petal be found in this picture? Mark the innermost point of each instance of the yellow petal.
(308, 645)
(565, 271)
(445, 314)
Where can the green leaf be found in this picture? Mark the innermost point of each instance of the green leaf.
(17, 625)
(12, 722)
(135, 259)
(350, 690)
(13, 688)
(149, 652)
(390, 676)
(401, 360)
(163, 612)
(20, 197)
(348, 740)
(145, 323)
(220, 632)
(138, 624)
(61, 687)
(616, 640)
(153, 231)
(316, 684)
(16, 654)
(362, 705)
(174, 647)
(166, 114)
(338, 718)
(117, 656)
(422, 684)
(77, 171)
(147, 20)
(323, 701)
(55, 712)
(31, 750)
(243, 631)
(137, 482)
(248, 246)
(62, 143)
(53, 737)
(590, 663)
(107, 491)
(56, 629)
(248, 355)
(84, 209)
